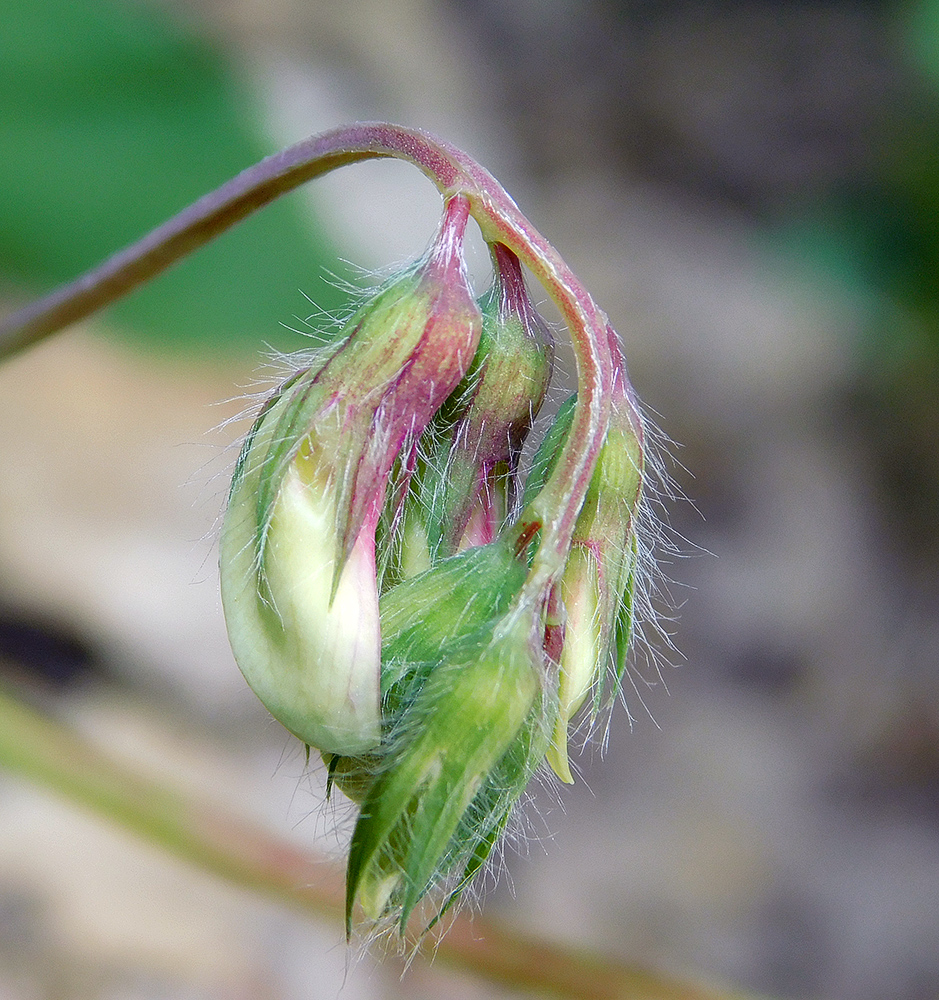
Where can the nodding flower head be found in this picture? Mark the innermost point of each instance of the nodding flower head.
(394, 595)
(400, 592)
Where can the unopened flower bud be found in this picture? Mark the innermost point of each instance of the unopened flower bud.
(297, 552)
(596, 588)
(436, 804)
(468, 479)
(424, 615)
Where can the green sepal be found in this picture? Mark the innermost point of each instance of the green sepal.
(425, 613)
(547, 454)
(626, 619)
(465, 717)
(485, 821)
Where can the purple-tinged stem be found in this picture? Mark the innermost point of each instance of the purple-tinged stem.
(453, 172)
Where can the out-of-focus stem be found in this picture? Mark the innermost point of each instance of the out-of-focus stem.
(453, 172)
(50, 754)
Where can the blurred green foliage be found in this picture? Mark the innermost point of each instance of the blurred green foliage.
(879, 239)
(921, 36)
(114, 116)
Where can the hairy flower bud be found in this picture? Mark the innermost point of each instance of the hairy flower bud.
(461, 689)
(596, 588)
(420, 617)
(457, 753)
(468, 476)
(297, 552)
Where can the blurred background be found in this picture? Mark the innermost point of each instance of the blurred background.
(751, 191)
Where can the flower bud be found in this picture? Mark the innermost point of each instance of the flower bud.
(422, 616)
(467, 482)
(596, 588)
(297, 551)
(435, 627)
(434, 805)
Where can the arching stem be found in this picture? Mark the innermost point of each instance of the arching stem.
(453, 172)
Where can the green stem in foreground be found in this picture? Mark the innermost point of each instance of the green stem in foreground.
(453, 172)
(48, 753)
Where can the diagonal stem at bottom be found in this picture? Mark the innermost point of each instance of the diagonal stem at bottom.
(48, 753)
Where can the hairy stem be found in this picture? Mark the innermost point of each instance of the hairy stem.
(454, 173)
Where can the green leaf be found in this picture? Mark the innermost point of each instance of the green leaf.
(113, 117)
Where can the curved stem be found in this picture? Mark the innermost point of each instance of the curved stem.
(453, 172)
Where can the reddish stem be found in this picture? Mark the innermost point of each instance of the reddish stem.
(453, 172)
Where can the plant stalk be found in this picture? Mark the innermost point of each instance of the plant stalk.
(453, 172)
(48, 753)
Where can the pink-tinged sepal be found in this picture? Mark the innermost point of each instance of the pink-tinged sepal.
(467, 484)
(298, 569)
(588, 622)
